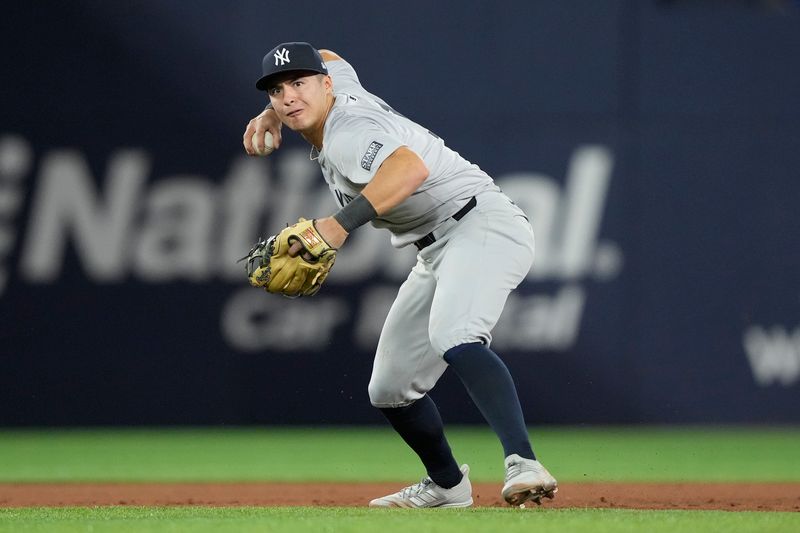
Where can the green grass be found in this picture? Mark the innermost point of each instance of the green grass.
(572, 454)
(338, 454)
(308, 519)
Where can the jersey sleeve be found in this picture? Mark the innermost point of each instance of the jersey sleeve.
(358, 148)
(344, 76)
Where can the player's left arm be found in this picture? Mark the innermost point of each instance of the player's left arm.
(398, 177)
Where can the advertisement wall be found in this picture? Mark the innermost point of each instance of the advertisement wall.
(655, 146)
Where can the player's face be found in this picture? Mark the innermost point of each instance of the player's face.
(300, 100)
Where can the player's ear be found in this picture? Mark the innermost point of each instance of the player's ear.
(328, 82)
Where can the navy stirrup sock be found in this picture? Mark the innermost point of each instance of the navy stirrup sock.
(490, 386)
(421, 427)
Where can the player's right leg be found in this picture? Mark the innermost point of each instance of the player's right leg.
(469, 299)
(405, 369)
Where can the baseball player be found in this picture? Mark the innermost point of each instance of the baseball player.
(475, 246)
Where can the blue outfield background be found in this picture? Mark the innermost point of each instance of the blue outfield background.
(656, 146)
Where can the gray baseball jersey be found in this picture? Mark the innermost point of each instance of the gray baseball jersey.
(361, 131)
(458, 288)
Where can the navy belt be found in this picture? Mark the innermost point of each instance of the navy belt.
(429, 239)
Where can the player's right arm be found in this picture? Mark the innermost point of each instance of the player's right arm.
(253, 138)
(267, 120)
(327, 55)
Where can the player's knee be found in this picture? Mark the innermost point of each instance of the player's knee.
(385, 393)
(443, 341)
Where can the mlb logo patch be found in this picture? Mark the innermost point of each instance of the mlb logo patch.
(369, 157)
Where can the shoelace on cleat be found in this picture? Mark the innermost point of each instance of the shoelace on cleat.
(415, 489)
(514, 469)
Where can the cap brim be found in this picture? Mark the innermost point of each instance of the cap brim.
(263, 82)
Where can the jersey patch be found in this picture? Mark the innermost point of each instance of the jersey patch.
(369, 157)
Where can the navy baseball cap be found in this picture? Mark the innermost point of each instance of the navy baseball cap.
(287, 57)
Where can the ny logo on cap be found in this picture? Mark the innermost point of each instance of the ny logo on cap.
(282, 55)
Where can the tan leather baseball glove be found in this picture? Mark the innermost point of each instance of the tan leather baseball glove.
(270, 266)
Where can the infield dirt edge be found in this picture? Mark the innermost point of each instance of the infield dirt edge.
(689, 496)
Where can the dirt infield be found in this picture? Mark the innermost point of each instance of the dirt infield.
(724, 496)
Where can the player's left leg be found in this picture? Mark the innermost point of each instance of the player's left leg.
(404, 370)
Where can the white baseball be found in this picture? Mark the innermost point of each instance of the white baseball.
(269, 146)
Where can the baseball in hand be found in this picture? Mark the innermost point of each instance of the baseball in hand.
(269, 147)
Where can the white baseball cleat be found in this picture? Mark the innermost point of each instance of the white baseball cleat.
(527, 479)
(426, 493)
